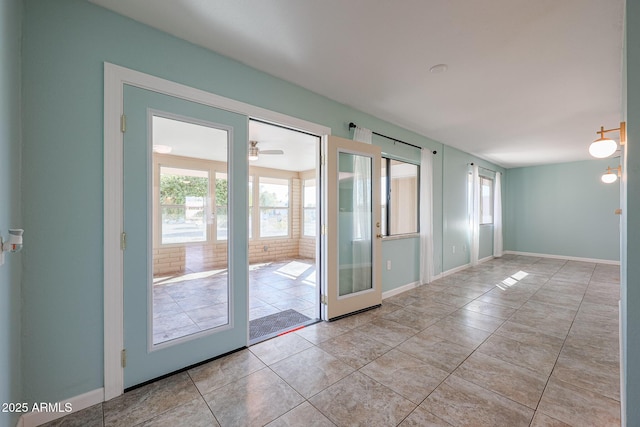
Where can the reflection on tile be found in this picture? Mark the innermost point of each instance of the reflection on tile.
(355, 348)
(89, 417)
(460, 402)
(436, 351)
(387, 331)
(539, 357)
(193, 414)
(476, 320)
(359, 400)
(494, 310)
(321, 331)
(421, 418)
(302, 415)
(577, 406)
(250, 401)
(458, 333)
(225, 370)
(149, 401)
(406, 375)
(279, 348)
(517, 383)
(542, 420)
(311, 371)
(411, 319)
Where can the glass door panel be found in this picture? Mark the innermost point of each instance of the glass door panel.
(352, 218)
(185, 263)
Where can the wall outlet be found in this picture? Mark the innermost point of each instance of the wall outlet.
(389, 264)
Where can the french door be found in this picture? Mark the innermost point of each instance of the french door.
(352, 249)
(185, 210)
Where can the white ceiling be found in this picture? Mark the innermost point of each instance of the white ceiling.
(528, 82)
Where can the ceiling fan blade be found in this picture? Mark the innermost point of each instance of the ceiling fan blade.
(271, 152)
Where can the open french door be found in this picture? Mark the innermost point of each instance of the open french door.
(185, 210)
(351, 231)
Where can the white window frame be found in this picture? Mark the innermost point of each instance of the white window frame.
(387, 197)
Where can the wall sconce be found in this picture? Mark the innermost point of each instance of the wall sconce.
(612, 175)
(13, 243)
(604, 147)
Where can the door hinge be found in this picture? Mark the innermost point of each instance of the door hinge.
(123, 123)
(323, 229)
(123, 241)
(323, 299)
(123, 357)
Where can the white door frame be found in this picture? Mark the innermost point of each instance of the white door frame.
(115, 77)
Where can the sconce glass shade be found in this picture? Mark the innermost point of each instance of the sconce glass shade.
(603, 147)
(609, 178)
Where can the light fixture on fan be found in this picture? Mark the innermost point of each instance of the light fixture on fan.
(612, 175)
(254, 151)
(604, 147)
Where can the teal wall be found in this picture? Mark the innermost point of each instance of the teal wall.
(630, 276)
(455, 224)
(10, 366)
(563, 209)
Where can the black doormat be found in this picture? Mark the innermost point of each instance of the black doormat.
(275, 323)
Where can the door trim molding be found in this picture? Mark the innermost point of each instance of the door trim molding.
(115, 77)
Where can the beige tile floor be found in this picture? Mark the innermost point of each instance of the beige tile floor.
(197, 300)
(487, 346)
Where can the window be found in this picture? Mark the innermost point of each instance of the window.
(183, 205)
(274, 207)
(399, 197)
(309, 207)
(486, 200)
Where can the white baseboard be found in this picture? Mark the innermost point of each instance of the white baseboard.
(399, 290)
(77, 403)
(568, 258)
(452, 271)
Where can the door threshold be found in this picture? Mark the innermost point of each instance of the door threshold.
(284, 331)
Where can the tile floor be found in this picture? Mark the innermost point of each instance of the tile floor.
(197, 301)
(539, 349)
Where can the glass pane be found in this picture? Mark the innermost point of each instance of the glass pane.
(309, 204)
(383, 197)
(190, 282)
(183, 204)
(274, 192)
(250, 194)
(355, 212)
(221, 206)
(274, 222)
(274, 206)
(486, 201)
(403, 199)
(310, 222)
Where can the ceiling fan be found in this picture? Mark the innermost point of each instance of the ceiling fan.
(254, 151)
